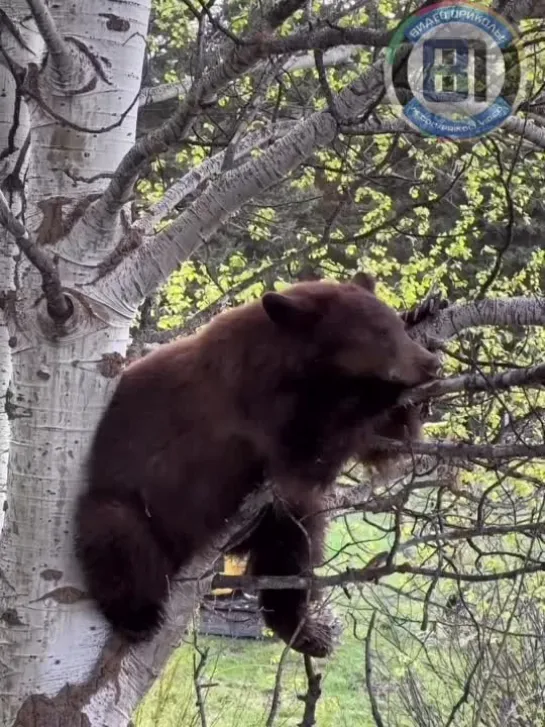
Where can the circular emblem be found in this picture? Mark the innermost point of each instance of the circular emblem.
(454, 70)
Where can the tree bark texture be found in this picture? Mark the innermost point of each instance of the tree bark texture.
(64, 133)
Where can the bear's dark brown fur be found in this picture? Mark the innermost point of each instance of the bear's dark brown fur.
(285, 389)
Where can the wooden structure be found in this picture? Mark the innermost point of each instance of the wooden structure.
(234, 614)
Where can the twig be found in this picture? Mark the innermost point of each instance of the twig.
(314, 692)
(322, 77)
(364, 575)
(368, 682)
(197, 671)
(531, 376)
(58, 306)
(275, 703)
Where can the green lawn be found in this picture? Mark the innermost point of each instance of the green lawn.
(242, 672)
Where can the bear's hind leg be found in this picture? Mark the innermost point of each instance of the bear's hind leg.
(289, 541)
(126, 571)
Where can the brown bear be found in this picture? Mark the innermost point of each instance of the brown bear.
(284, 390)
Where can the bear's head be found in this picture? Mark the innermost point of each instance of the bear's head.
(346, 328)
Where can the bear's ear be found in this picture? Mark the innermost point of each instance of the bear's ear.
(364, 280)
(289, 312)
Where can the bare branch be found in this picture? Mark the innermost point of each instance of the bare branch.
(521, 127)
(330, 37)
(368, 574)
(168, 91)
(368, 675)
(462, 452)
(57, 304)
(163, 92)
(493, 312)
(527, 377)
(314, 692)
(198, 668)
(277, 691)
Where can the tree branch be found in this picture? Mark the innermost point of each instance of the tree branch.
(240, 60)
(149, 266)
(522, 127)
(493, 312)
(368, 675)
(527, 377)
(209, 168)
(461, 452)
(314, 692)
(61, 58)
(58, 305)
(367, 574)
(334, 56)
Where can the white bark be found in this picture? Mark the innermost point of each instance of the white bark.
(209, 168)
(332, 57)
(14, 131)
(47, 633)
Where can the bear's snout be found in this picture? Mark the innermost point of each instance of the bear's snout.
(429, 366)
(417, 365)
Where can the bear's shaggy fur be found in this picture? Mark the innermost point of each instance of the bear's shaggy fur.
(285, 389)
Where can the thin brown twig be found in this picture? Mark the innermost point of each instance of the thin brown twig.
(275, 702)
(197, 672)
(368, 673)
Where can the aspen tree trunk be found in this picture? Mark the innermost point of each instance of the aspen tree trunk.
(80, 110)
(14, 136)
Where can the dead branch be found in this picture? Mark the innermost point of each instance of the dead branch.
(57, 304)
